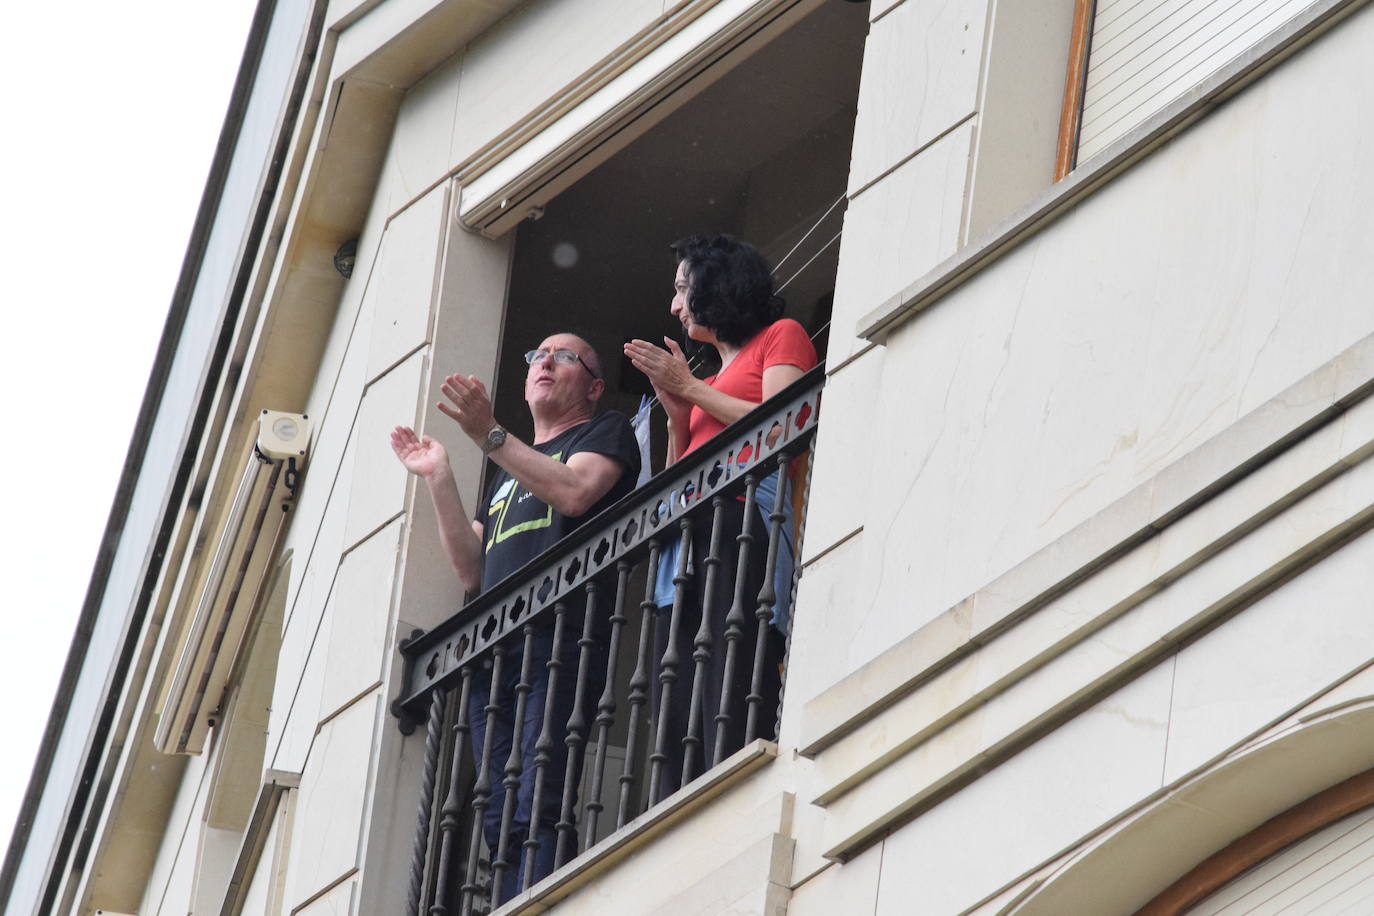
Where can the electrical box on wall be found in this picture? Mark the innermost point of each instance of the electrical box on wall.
(282, 436)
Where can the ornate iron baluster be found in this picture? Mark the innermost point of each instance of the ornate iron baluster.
(514, 768)
(639, 688)
(481, 789)
(796, 580)
(577, 734)
(768, 597)
(669, 664)
(433, 739)
(543, 748)
(441, 667)
(693, 742)
(450, 814)
(735, 620)
(605, 707)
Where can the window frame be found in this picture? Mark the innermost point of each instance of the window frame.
(1075, 83)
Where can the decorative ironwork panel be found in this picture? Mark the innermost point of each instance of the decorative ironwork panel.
(785, 422)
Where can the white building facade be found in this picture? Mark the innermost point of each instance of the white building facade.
(1080, 616)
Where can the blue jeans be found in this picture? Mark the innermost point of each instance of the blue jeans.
(764, 496)
(551, 794)
(710, 693)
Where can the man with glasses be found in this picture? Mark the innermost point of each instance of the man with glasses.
(578, 464)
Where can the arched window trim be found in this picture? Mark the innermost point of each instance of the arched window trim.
(1274, 835)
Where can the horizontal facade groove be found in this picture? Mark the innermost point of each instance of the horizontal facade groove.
(859, 817)
(1180, 489)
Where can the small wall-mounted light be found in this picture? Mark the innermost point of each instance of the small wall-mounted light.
(345, 257)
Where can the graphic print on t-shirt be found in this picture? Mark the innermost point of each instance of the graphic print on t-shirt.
(519, 526)
(512, 495)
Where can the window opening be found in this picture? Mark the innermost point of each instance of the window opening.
(762, 154)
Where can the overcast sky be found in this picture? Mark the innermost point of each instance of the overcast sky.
(112, 112)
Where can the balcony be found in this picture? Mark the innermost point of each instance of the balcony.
(591, 606)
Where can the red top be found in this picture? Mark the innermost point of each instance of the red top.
(782, 343)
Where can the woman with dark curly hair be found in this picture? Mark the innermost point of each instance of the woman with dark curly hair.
(723, 296)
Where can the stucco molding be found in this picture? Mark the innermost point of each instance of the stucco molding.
(1307, 770)
(1297, 486)
(1280, 831)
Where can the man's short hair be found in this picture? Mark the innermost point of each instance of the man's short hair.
(591, 357)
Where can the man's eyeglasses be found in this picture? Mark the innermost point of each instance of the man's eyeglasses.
(563, 357)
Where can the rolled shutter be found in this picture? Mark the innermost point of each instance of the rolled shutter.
(1146, 53)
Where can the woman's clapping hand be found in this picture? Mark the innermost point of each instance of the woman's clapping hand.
(668, 372)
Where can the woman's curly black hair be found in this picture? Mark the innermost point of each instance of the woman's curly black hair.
(729, 287)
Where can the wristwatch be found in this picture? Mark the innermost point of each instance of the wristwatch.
(496, 437)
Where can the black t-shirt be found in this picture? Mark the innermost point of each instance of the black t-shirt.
(518, 526)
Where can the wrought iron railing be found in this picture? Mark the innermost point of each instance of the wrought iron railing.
(653, 702)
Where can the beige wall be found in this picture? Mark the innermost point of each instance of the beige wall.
(1180, 298)
(1089, 392)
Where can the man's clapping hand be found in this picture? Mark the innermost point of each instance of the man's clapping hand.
(421, 456)
(469, 404)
